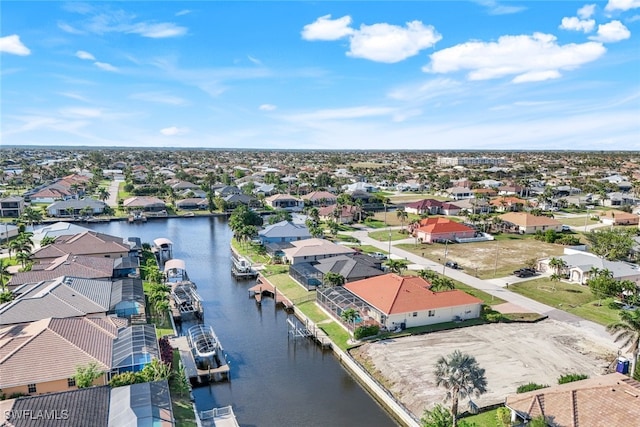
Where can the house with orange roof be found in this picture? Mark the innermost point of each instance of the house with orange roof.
(320, 198)
(396, 301)
(431, 230)
(618, 218)
(526, 223)
(603, 401)
(508, 204)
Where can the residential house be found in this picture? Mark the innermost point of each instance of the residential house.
(579, 266)
(286, 202)
(7, 231)
(89, 243)
(11, 207)
(396, 301)
(147, 404)
(42, 356)
(144, 203)
(227, 190)
(313, 250)
(359, 186)
(508, 204)
(490, 183)
(351, 267)
(425, 206)
(618, 218)
(179, 185)
(88, 267)
(282, 232)
(232, 201)
(526, 223)
(460, 193)
(619, 199)
(320, 198)
(601, 401)
(75, 207)
(430, 230)
(476, 206)
(511, 190)
(193, 203)
(485, 193)
(61, 297)
(49, 194)
(54, 230)
(345, 214)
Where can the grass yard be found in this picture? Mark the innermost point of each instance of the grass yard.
(288, 286)
(484, 419)
(487, 260)
(383, 235)
(337, 333)
(182, 407)
(312, 311)
(577, 221)
(570, 297)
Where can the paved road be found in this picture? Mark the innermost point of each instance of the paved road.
(495, 287)
(113, 193)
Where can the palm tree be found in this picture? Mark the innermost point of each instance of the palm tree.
(349, 316)
(427, 274)
(461, 375)
(333, 279)
(558, 265)
(396, 265)
(442, 283)
(627, 331)
(402, 216)
(4, 272)
(103, 194)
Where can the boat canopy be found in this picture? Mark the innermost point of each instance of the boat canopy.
(203, 340)
(162, 242)
(175, 264)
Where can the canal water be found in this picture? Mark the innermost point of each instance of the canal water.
(275, 380)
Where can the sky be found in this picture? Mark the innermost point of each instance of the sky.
(363, 75)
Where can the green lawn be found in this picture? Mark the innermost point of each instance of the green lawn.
(312, 311)
(182, 407)
(570, 297)
(383, 235)
(484, 419)
(288, 286)
(337, 333)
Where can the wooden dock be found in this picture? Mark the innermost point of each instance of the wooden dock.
(263, 287)
(219, 417)
(186, 356)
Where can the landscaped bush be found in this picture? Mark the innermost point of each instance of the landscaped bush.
(166, 351)
(530, 387)
(503, 416)
(569, 378)
(490, 315)
(366, 331)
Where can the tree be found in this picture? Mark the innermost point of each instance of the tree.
(441, 283)
(6, 296)
(461, 376)
(333, 279)
(402, 216)
(602, 283)
(47, 240)
(4, 273)
(86, 375)
(396, 265)
(610, 244)
(31, 216)
(103, 194)
(349, 316)
(627, 331)
(558, 265)
(439, 416)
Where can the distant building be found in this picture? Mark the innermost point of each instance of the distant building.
(469, 161)
(11, 207)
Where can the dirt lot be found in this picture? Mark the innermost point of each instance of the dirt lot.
(512, 354)
(481, 257)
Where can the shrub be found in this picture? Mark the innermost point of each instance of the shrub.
(504, 416)
(366, 331)
(530, 387)
(125, 378)
(569, 378)
(166, 351)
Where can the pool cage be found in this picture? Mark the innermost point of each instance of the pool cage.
(337, 299)
(134, 348)
(307, 275)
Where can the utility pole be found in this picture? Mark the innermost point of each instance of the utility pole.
(444, 265)
(495, 266)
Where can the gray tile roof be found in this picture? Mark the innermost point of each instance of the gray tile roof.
(67, 265)
(86, 407)
(144, 404)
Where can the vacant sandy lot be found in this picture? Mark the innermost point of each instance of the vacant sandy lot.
(512, 354)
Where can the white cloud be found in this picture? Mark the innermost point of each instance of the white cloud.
(68, 28)
(611, 32)
(173, 130)
(325, 28)
(526, 57)
(159, 97)
(267, 107)
(254, 60)
(434, 88)
(85, 55)
(341, 114)
(183, 12)
(12, 44)
(622, 5)
(576, 24)
(495, 8)
(586, 11)
(157, 31)
(391, 43)
(105, 66)
(80, 112)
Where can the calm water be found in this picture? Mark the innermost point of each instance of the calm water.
(275, 381)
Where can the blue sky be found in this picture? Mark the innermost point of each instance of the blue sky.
(322, 75)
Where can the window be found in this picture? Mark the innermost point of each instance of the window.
(415, 314)
(31, 388)
(432, 313)
(71, 382)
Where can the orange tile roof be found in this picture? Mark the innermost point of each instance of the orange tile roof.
(442, 225)
(525, 219)
(393, 294)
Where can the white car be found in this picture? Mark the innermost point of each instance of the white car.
(379, 255)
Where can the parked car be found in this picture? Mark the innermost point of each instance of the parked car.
(524, 272)
(566, 228)
(378, 255)
(452, 264)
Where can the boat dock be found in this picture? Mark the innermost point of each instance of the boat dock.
(263, 287)
(241, 268)
(219, 417)
(198, 377)
(182, 345)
